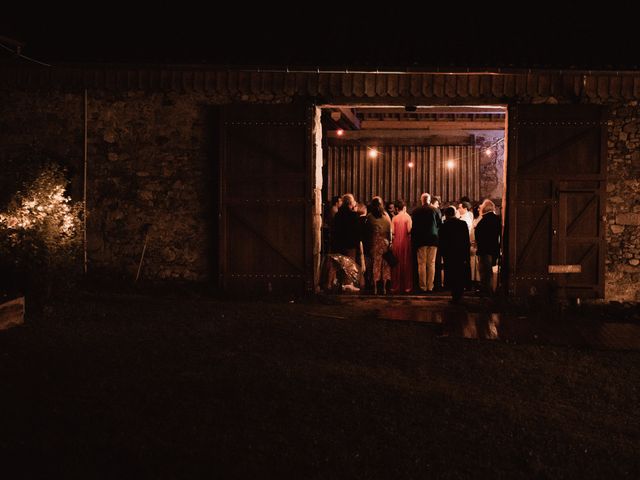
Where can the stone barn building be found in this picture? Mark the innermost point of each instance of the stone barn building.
(227, 170)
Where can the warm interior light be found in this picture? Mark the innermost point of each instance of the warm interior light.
(373, 153)
(488, 151)
(410, 164)
(340, 132)
(450, 164)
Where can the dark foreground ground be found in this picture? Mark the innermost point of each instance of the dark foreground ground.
(137, 386)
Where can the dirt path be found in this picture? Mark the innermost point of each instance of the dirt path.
(121, 386)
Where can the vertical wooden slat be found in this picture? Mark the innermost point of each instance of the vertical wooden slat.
(278, 83)
(636, 86)
(450, 85)
(544, 84)
(474, 85)
(233, 82)
(186, 80)
(521, 84)
(485, 85)
(568, 85)
(427, 85)
(302, 83)
(603, 87)
(438, 85)
(335, 84)
(381, 85)
(615, 86)
(198, 81)
(404, 85)
(347, 85)
(392, 85)
(370, 84)
(509, 85)
(216, 82)
(323, 84)
(358, 84)
(497, 85)
(591, 86)
(415, 85)
(313, 83)
(462, 86)
(266, 83)
(289, 83)
(244, 83)
(627, 87)
(556, 85)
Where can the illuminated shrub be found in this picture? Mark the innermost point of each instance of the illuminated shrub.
(41, 235)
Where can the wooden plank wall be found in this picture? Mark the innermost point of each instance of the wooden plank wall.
(350, 170)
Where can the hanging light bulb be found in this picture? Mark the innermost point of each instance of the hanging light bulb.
(450, 164)
(373, 153)
(410, 164)
(340, 132)
(488, 151)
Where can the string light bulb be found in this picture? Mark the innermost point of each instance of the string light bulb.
(340, 132)
(373, 153)
(488, 151)
(410, 164)
(450, 164)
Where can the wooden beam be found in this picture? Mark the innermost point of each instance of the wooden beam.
(431, 140)
(431, 125)
(346, 118)
(486, 110)
(396, 134)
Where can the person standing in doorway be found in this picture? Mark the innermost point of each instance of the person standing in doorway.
(487, 236)
(380, 228)
(424, 233)
(437, 279)
(402, 273)
(465, 214)
(454, 247)
(391, 210)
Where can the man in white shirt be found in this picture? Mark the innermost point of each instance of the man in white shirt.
(464, 210)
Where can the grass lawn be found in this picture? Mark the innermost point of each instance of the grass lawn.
(129, 386)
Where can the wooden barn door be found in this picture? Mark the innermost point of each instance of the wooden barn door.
(265, 199)
(556, 199)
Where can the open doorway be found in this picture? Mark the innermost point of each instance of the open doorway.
(399, 152)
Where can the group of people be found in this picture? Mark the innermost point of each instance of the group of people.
(458, 240)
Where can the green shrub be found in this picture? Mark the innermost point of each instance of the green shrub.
(41, 236)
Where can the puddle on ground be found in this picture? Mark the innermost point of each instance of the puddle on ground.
(496, 326)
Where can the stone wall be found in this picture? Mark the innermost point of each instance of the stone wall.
(623, 203)
(151, 172)
(37, 126)
(151, 163)
(491, 144)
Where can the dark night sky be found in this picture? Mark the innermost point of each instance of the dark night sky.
(338, 36)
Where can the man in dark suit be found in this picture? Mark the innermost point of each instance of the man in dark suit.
(454, 247)
(487, 235)
(424, 236)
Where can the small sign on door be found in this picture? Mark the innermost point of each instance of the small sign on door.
(565, 268)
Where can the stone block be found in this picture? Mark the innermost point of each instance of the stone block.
(109, 136)
(11, 313)
(617, 229)
(628, 219)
